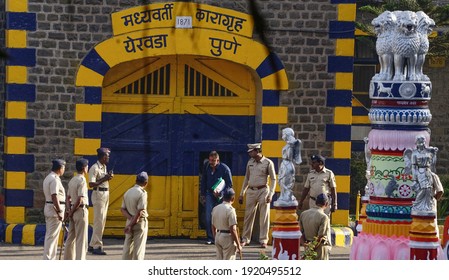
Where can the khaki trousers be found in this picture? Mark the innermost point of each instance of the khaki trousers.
(52, 229)
(136, 241)
(323, 252)
(225, 246)
(256, 198)
(76, 243)
(100, 201)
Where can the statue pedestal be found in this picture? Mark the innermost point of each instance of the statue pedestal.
(424, 241)
(286, 234)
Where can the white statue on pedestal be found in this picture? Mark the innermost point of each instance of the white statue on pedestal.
(291, 155)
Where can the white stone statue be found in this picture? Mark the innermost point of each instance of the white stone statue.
(420, 163)
(291, 155)
(425, 27)
(402, 44)
(384, 27)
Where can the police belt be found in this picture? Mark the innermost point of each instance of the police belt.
(224, 231)
(258, 187)
(101, 189)
(51, 202)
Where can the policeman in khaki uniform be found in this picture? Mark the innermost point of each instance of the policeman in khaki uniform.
(77, 204)
(320, 180)
(134, 209)
(315, 223)
(257, 194)
(54, 208)
(224, 227)
(99, 181)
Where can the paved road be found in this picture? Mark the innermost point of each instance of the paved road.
(157, 249)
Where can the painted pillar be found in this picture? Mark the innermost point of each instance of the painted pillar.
(399, 113)
(286, 234)
(424, 241)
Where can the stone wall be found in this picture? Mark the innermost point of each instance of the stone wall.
(438, 106)
(2, 91)
(67, 30)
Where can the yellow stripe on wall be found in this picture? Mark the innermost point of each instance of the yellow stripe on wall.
(16, 39)
(15, 145)
(344, 81)
(15, 215)
(85, 146)
(15, 180)
(343, 115)
(88, 112)
(88, 77)
(28, 234)
(16, 110)
(16, 74)
(274, 115)
(16, 5)
(8, 233)
(276, 80)
(272, 148)
(342, 149)
(346, 12)
(344, 47)
(340, 217)
(343, 183)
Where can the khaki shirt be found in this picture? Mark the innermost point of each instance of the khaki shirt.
(52, 185)
(257, 173)
(134, 200)
(78, 188)
(224, 216)
(314, 222)
(96, 172)
(320, 182)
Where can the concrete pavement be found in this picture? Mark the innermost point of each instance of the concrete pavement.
(157, 249)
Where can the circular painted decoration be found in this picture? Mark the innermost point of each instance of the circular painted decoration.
(407, 90)
(405, 191)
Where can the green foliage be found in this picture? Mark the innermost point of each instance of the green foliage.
(358, 180)
(263, 256)
(309, 250)
(443, 204)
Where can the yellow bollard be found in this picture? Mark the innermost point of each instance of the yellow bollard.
(357, 207)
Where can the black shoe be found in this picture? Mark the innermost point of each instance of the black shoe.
(98, 251)
(90, 249)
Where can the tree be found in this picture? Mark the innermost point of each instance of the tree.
(439, 45)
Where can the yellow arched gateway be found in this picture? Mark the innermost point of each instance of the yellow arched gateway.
(176, 81)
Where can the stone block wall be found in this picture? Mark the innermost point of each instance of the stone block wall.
(67, 30)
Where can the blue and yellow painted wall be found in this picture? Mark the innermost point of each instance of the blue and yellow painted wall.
(219, 52)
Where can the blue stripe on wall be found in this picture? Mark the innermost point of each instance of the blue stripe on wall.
(39, 235)
(339, 166)
(359, 111)
(16, 127)
(21, 57)
(270, 131)
(92, 95)
(342, 200)
(92, 130)
(21, 21)
(22, 198)
(357, 146)
(270, 98)
(21, 92)
(17, 234)
(19, 163)
(270, 65)
(341, 29)
(340, 64)
(338, 132)
(339, 98)
(95, 62)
